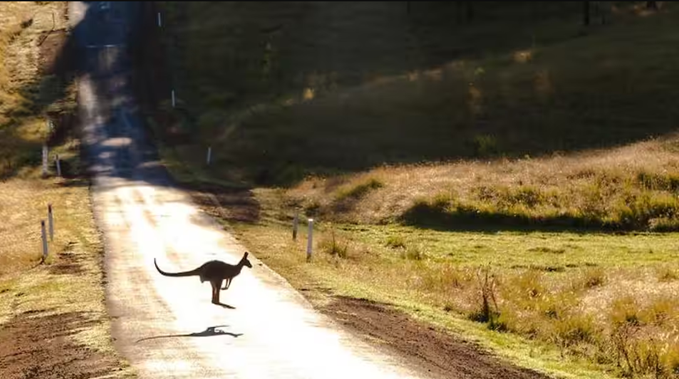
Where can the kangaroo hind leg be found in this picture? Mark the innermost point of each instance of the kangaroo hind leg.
(215, 293)
(215, 287)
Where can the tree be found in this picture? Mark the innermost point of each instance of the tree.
(585, 14)
(652, 5)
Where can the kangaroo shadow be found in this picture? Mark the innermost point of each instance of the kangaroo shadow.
(209, 332)
(225, 305)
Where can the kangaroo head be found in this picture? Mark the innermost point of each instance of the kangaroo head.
(245, 260)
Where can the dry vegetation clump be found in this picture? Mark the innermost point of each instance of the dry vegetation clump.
(634, 329)
(628, 188)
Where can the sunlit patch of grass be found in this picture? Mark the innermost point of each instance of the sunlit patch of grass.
(414, 252)
(667, 273)
(572, 310)
(69, 280)
(593, 277)
(537, 305)
(360, 190)
(643, 344)
(396, 242)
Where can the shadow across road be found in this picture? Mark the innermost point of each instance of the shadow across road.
(211, 331)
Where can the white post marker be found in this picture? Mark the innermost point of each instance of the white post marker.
(50, 219)
(44, 240)
(295, 223)
(209, 154)
(160, 22)
(310, 239)
(173, 101)
(58, 163)
(44, 160)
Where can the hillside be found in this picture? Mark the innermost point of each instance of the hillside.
(285, 89)
(53, 319)
(432, 145)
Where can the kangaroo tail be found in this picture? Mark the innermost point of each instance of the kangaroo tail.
(185, 273)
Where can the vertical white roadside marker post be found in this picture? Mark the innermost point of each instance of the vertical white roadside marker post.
(44, 160)
(295, 224)
(50, 220)
(310, 240)
(209, 155)
(160, 21)
(44, 240)
(173, 101)
(58, 163)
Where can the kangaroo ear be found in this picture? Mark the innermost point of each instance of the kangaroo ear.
(245, 255)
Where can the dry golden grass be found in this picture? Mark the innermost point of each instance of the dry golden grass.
(23, 204)
(548, 299)
(599, 184)
(70, 279)
(22, 27)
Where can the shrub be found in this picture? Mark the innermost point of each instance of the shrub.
(573, 330)
(334, 247)
(413, 253)
(529, 284)
(396, 242)
(485, 145)
(445, 278)
(488, 310)
(360, 190)
(593, 277)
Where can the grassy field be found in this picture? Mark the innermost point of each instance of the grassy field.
(53, 320)
(574, 305)
(512, 177)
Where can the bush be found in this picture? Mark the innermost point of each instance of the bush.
(396, 242)
(488, 310)
(360, 190)
(573, 330)
(413, 253)
(334, 247)
(485, 145)
(593, 277)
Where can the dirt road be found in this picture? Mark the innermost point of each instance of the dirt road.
(167, 327)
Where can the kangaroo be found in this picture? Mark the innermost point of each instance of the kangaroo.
(215, 272)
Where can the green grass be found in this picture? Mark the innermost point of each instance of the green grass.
(557, 294)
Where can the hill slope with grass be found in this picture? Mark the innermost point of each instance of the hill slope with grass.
(304, 89)
(444, 154)
(53, 320)
(284, 89)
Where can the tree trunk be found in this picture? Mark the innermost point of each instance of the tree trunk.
(585, 10)
(652, 5)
